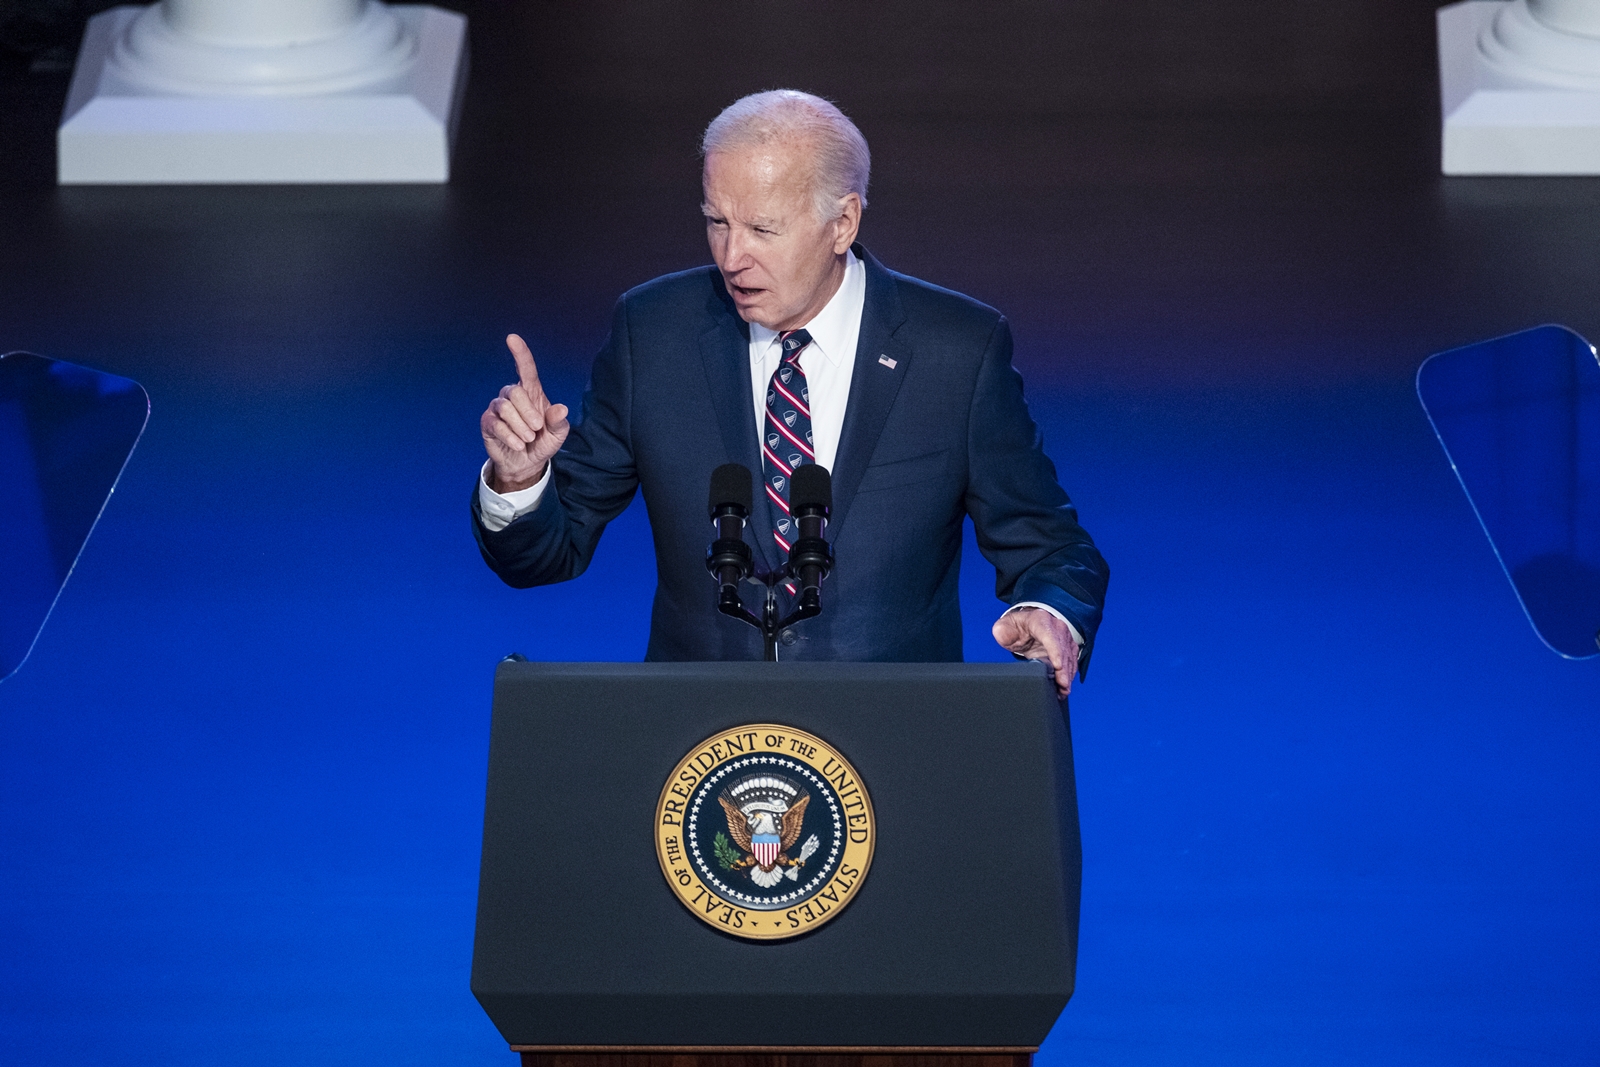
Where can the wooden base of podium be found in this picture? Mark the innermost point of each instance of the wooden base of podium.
(535, 1056)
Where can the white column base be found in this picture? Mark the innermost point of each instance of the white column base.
(1498, 123)
(119, 133)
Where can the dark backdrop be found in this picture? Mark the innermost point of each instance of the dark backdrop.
(1338, 803)
(934, 58)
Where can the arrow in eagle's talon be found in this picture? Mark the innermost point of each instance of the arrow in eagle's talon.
(806, 850)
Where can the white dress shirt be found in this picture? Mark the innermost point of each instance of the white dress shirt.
(829, 364)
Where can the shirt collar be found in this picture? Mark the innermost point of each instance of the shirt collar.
(830, 327)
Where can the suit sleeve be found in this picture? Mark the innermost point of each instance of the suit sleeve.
(1025, 524)
(595, 479)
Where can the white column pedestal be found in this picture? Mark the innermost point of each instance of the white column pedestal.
(1520, 86)
(302, 91)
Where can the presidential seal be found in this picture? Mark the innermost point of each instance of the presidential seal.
(764, 831)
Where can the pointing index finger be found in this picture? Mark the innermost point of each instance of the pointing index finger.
(527, 373)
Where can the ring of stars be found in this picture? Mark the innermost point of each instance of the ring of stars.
(776, 901)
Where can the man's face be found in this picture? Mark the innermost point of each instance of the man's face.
(781, 264)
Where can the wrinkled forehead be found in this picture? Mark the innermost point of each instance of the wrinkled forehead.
(771, 174)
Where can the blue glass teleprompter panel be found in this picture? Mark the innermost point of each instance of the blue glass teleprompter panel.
(66, 433)
(1519, 419)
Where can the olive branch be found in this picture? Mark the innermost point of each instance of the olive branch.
(727, 855)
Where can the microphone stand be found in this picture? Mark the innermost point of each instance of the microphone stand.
(769, 624)
(810, 557)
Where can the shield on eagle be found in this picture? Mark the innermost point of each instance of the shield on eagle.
(766, 849)
(766, 813)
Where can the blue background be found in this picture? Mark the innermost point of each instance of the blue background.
(1338, 803)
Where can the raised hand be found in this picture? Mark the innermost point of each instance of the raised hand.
(521, 428)
(1035, 634)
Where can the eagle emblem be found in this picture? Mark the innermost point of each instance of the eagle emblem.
(764, 831)
(766, 815)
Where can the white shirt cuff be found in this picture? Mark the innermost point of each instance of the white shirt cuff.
(1076, 636)
(499, 511)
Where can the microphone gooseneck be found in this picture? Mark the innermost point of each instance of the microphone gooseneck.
(729, 560)
(810, 502)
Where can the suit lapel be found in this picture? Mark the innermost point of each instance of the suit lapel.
(873, 385)
(725, 354)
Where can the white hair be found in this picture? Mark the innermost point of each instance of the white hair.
(840, 162)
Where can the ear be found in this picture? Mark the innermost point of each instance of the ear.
(847, 223)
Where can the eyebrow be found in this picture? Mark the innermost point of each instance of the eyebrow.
(764, 221)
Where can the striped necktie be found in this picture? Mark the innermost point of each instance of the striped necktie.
(786, 437)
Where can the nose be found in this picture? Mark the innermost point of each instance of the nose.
(737, 254)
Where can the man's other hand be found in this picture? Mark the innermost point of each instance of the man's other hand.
(522, 429)
(1035, 634)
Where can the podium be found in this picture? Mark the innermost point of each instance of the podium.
(722, 864)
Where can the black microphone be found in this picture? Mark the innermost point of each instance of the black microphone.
(810, 502)
(729, 560)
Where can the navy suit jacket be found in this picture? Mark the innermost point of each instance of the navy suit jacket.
(941, 434)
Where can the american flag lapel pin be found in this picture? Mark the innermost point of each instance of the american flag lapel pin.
(886, 361)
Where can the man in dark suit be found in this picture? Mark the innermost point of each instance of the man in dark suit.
(799, 347)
